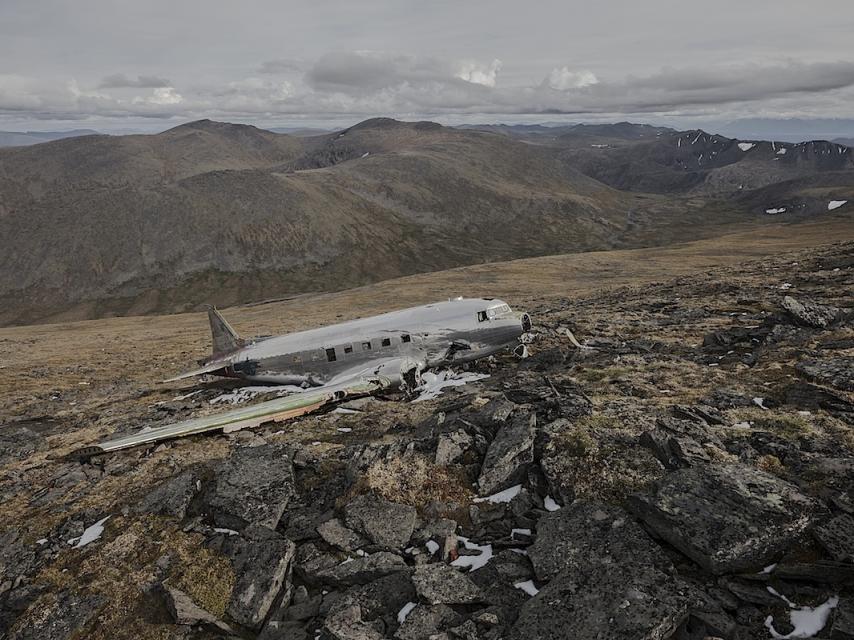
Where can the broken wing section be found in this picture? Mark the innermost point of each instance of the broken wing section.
(276, 410)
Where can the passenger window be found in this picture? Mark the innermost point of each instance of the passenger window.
(348, 349)
(481, 316)
(386, 342)
(366, 346)
(330, 355)
(405, 338)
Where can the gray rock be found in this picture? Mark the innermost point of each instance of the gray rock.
(828, 572)
(17, 442)
(616, 601)
(384, 523)
(262, 567)
(509, 454)
(361, 570)
(836, 372)
(837, 537)
(335, 533)
(585, 534)
(811, 313)
(425, 622)
(452, 447)
(382, 599)
(65, 616)
(843, 620)
(283, 630)
(442, 584)
(186, 612)
(253, 486)
(497, 579)
(344, 622)
(172, 497)
(725, 518)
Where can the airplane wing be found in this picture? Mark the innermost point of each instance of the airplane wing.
(276, 410)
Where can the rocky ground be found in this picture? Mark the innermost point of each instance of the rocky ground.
(687, 473)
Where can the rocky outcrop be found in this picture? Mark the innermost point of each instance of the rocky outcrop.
(725, 518)
(811, 314)
(509, 454)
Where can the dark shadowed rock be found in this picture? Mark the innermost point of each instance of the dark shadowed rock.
(497, 578)
(361, 570)
(837, 537)
(262, 567)
(253, 486)
(442, 584)
(843, 620)
(382, 599)
(335, 533)
(509, 454)
(284, 630)
(385, 523)
(810, 313)
(172, 497)
(631, 601)
(725, 518)
(585, 534)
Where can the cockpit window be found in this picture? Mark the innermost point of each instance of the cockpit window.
(481, 316)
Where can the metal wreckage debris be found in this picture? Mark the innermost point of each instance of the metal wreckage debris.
(329, 364)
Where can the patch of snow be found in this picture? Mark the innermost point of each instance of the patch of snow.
(775, 210)
(244, 394)
(91, 534)
(786, 285)
(528, 587)
(804, 413)
(769, 568)
(781, 151)
(835, 204)
(741, 425)
(521, 532)
(760, 402)
(807, 621)
(697, 138)
(344, 429)
(550, 505)
(521, 552)
(228, 532)
(366, 154)
(746, 146)
(473, 562)
(434, 383)
(502, 496)
(41, 541)
(600, 146)
(432, 546)
(405, 611)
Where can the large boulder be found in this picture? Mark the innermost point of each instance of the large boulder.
(253, 486)
(725, 518)
(584, 534)
(811, 313)
(509, 454)
(262, 566)
(384, 523)
(615, 601)
(442, 584)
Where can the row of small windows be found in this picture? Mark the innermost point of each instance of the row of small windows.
(331, 354)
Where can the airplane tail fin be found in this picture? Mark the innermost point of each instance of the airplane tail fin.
(225, 339)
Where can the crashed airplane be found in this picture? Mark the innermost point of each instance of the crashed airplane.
(329, 364)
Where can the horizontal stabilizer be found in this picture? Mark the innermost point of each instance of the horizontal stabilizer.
(208, 368)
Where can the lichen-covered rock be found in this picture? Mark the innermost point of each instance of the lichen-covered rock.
(171, 497)
(836, 372)
(262, 566)
(498, 577)
(426, 621)
(252, 486)
(335, 533)
(361, 570)
(811, 313)
(66, 615)
(442, 584)
(344, 622)
(584, 534)
(837, 537)
(384, 523)
(615, 601)
(725, 518)
(509, 454)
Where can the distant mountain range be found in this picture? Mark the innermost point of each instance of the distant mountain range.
(211, 212)
(25, 138)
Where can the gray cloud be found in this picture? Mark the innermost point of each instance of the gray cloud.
(121, 81)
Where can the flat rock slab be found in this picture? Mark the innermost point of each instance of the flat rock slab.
(385, 523)
(186, 612)
(172, 497)
(584, 534)
(335, 533)
(726, 518)
(837, 537)
(362, 570)
(442, 584)
(811, 314)
(836, 372)
(65, 616)
(634, 601)
(509, 454)
(253, 486)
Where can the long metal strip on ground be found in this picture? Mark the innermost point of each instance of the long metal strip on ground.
(254, 415)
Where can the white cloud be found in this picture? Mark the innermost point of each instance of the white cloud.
(477, 73)
(563, 79)
(161, 96)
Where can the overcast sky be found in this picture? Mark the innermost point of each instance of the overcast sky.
(131, 64)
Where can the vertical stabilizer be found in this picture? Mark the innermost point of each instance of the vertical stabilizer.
(225, 339)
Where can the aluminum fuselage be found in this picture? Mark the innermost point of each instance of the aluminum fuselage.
(449, 332)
